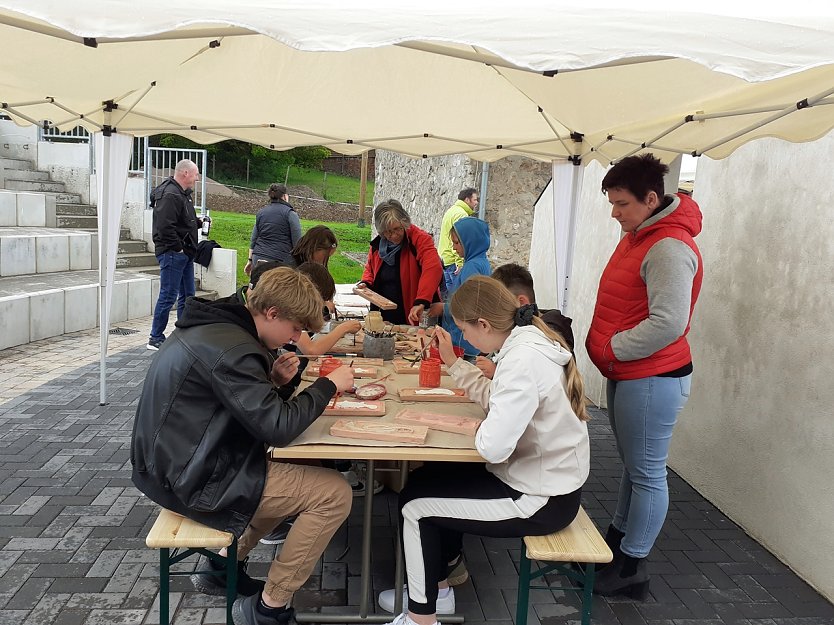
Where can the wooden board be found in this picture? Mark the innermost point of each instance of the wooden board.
(358, 371)
(340, 408)
(378, 431)
(403, 366)
(374, 298)
(456, 424)
(425, 394)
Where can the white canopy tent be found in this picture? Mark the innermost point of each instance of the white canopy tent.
(549, 80)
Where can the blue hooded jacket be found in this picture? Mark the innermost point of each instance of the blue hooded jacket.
(474, 236)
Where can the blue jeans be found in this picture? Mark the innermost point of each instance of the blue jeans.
(643, 414)
(176, 277)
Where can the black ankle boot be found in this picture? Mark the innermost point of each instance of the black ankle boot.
(613, 538)
(625, 576)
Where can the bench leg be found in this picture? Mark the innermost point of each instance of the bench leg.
(231, 579)
(523, 587)
(164, 585)
(587, 593)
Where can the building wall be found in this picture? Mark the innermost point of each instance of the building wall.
(427, 187)
(756, 437)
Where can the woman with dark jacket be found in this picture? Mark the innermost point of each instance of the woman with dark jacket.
(277, 230)
(403, 265)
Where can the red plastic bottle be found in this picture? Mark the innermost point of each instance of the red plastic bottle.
(430, 373)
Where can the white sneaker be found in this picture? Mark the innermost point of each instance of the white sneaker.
(403, 619)
(444, 605)
(357, 485)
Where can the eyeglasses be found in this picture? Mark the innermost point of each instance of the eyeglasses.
(392, 231)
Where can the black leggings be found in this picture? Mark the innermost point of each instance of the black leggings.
(443, 501)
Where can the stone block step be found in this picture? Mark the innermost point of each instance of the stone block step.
(128, 246)
(152, 270)
(141, 259)
(7, 162)
(75, 209)
(13, 184)
(67, 198)
(124, 233)
(77, 221)
(28, 174)
(34, 307)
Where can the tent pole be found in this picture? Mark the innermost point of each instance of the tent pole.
(483, 194)
(363, 189)
(104, 316)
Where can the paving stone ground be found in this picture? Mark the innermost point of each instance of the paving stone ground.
(72, 526)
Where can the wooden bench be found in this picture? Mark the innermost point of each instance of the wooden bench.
(578, 542)
(172, 531)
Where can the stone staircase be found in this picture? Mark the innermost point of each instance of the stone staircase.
(49, 261)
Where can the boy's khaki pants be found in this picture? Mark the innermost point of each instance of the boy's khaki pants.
(321, 498)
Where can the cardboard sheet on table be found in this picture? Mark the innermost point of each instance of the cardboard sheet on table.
(319, 432)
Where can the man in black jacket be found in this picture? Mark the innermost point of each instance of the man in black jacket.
(175, 224)
(210, 406)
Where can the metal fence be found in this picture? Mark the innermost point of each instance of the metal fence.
(79, 134)
(159, 163)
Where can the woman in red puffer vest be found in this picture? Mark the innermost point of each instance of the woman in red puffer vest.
(637, 340)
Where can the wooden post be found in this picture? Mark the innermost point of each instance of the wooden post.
(363, 183)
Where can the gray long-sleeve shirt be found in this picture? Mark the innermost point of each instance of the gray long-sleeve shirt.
(277, 230)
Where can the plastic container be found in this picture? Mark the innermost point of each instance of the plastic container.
(435, 353)
(430, 373)
(378, 347)
(328, 366)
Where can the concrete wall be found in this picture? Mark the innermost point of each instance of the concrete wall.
(135, 213)
(757, 437)
(427, 187)
(18, 141)
(68, 163)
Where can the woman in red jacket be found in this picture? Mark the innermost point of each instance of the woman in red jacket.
(403, 265)
(637, 340)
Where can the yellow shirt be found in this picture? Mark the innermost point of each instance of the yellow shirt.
(458, 210)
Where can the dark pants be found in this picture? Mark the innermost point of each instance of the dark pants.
(176, 277)
(444, 501)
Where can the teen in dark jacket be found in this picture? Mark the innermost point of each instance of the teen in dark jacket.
(209, 408)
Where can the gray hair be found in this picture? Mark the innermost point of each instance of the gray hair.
(185, 166)
(390, 213)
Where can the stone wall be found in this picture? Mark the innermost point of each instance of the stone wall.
(427, 187)
(514, 185)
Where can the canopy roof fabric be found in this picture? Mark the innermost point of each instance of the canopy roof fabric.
(549, 80)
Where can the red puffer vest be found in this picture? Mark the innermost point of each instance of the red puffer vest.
(622, 298)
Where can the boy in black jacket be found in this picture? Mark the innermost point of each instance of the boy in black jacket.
(211, 405)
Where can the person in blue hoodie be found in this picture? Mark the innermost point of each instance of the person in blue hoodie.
(470, 239)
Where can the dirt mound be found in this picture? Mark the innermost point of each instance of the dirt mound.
(303, 199)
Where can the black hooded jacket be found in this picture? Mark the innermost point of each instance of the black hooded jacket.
(175, 221)
(207, 413)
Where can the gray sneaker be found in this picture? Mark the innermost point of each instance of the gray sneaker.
(215, 583)
(279, 534)
(245, 612)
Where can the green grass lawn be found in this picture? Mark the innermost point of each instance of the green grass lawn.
(233, 230)
(331, 187)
